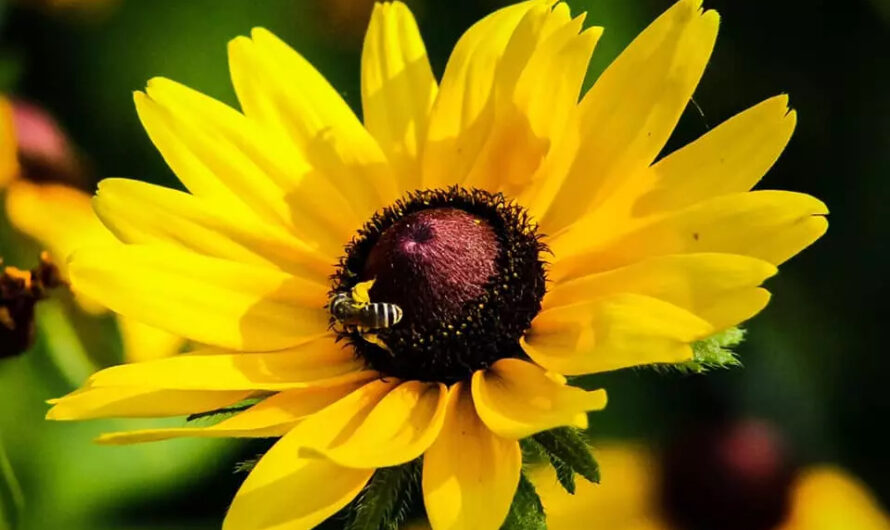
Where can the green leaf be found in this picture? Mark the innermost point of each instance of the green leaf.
(534, 454)
(225, 412)
(712, 353)
(569, 446)
(386, 500)
(246, 466)
(526, 511)
(564, 474)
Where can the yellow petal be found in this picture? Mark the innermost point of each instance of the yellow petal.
(550, 83)
(734, 307)
(398, 89)
(9, 162)
(463, 111)
(274, 416)
(705, 284)
(288, 491)
(397, 430)
(469, 474)
(536, 90)
(286, 95)
(144, 343)
(319, 363)
(250, 173)
(138, 402)
(624, 500)
(613, 332)
(142, 213)
(730, 158)
(516, 399)
(828, 498)
(631, 110)
(193, 158)
(769, 225)
(209, 300)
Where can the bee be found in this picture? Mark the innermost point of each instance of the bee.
(356, 309)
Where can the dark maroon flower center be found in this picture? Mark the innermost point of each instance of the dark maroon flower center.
(464, 267)
(432, 263)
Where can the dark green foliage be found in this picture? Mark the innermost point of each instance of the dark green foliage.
(564, 474)
(387, 499)
(526, 511)
(532, 452)
(567, 448)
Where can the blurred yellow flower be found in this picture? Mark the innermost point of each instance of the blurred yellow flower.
(9, 166)
(821, 498)
(442, 198)
(828, 498)
(41, 203)
(625, 499)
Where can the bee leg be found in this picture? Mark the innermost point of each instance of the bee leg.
(373, 338)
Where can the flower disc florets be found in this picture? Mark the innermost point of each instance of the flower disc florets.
(465, 267)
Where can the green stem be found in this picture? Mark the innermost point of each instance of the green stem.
(12, 499)
(62, 343)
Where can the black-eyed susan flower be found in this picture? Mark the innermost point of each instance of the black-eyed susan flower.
(42, 177)
(752, 488)
(498, 234)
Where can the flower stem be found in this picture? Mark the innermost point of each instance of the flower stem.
(12, 500)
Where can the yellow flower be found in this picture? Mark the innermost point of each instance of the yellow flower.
(447, 198)
(826, 497)
(9, 166)
(822, 497)
(57, 215)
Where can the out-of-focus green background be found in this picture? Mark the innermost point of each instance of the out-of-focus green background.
(815, 360)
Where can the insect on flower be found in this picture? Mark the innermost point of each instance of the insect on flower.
(354, 308)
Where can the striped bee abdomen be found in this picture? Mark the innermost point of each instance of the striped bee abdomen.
(380, 315)
(349, 312)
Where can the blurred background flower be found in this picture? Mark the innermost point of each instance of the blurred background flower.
(47, 201)
(732, 475)
(813, 360)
